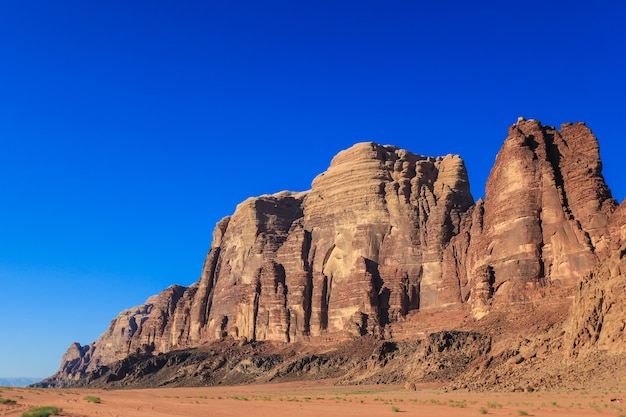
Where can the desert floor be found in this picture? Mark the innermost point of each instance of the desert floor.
(318, 398)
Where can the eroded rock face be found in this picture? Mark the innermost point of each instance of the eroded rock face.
(598, 317)
(358, 251)
(395, 209)
(381, 234)
(150, 327)
(243, 290)
(544, 219)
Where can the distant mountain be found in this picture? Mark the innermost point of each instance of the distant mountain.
(18, 382)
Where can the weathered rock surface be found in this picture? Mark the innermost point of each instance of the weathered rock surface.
(598, 318)
(139, 329)
(584, 348)
(389, 244)
(543, 223)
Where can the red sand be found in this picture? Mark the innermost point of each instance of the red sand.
(305, 399)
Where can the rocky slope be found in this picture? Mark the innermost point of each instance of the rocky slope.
(598, 318)
(390, 246)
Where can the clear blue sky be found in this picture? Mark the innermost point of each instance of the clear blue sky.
(129, 128)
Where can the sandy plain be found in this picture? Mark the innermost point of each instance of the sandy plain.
(319, 398)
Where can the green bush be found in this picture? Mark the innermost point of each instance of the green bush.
(395, 409)
(482, 410)
(92, 399)
(6, 401)
(41, 412)
(522, 413)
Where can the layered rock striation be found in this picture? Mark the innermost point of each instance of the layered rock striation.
(384, 234)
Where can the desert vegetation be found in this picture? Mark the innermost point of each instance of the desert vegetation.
(307, 399)
(92, 399)
(44, 411)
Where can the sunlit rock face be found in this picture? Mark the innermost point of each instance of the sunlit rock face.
(598, 316)
(382, 235)
(244, 287)
(544, 219)
(150, 327)
(380, 219)
(363, 247)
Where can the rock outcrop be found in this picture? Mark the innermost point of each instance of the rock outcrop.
(140, 329)
(359, 250)
(543, 223)
(384, 241)
(598, 317)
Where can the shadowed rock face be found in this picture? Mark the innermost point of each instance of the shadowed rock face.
(381, 234)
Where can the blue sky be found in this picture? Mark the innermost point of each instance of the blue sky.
(128, 129)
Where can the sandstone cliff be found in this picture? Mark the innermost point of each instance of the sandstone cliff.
(389, 244)
(598, 318)
(543, 223)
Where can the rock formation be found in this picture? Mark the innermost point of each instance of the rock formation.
(598, 318)
(544, 219)
(383, 242)
(139, 329)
